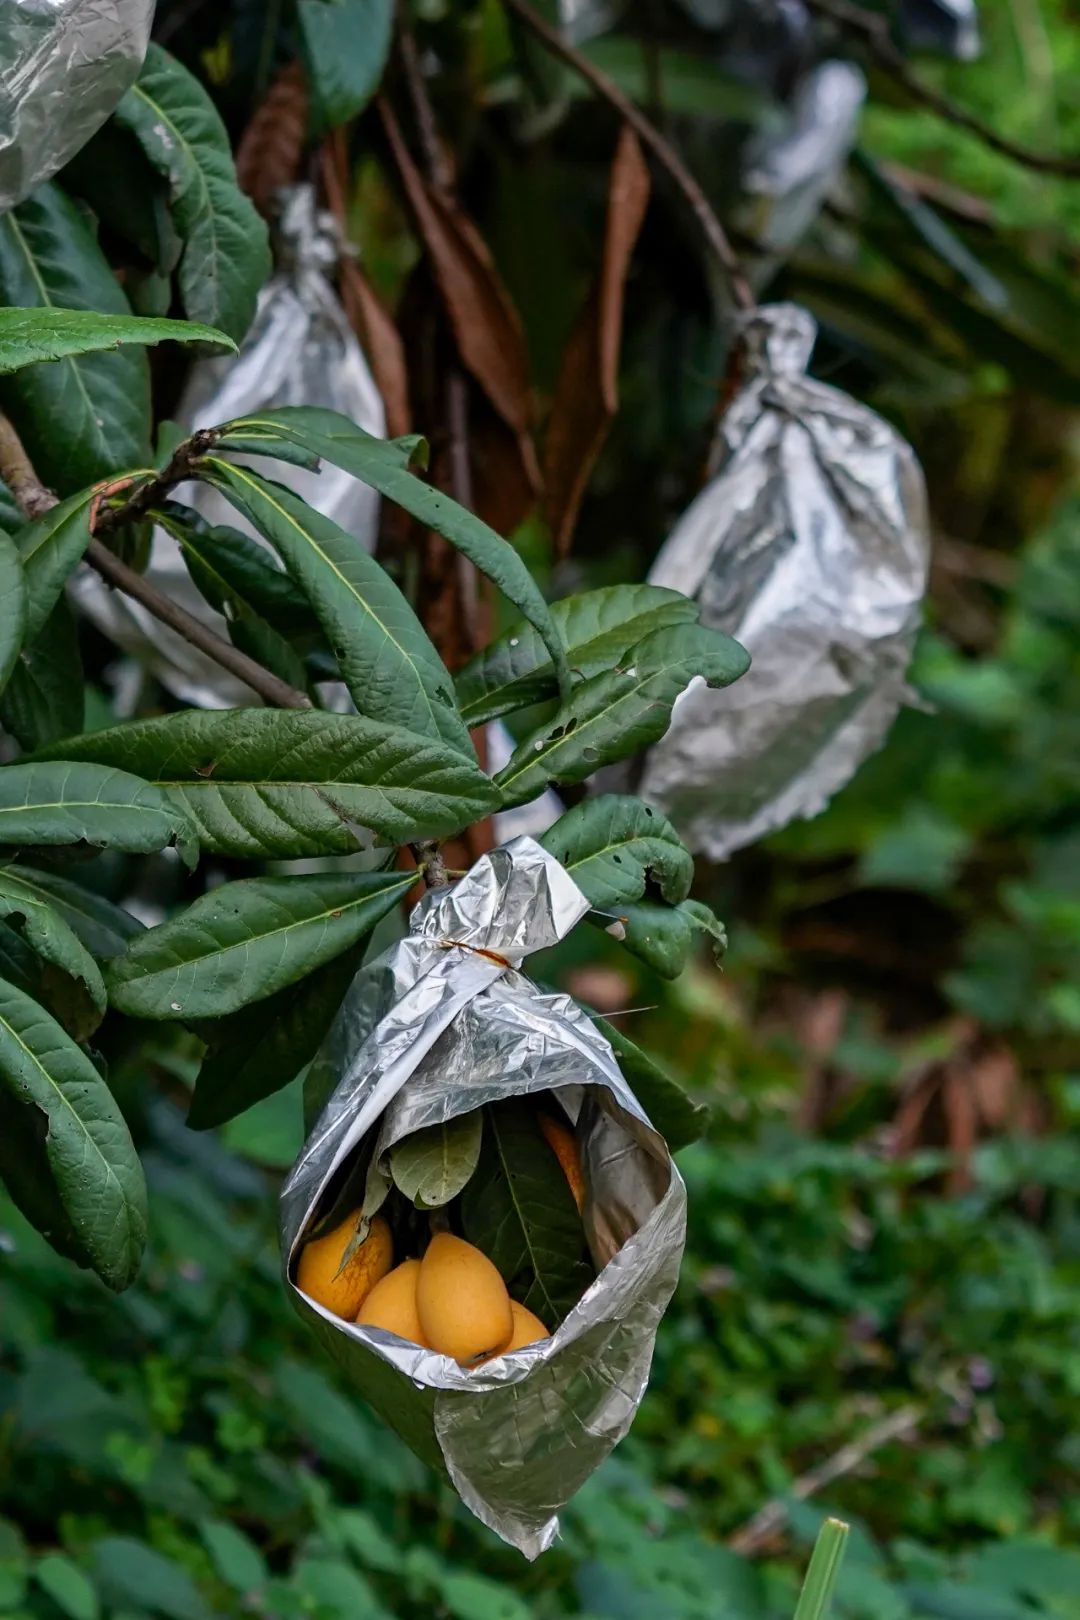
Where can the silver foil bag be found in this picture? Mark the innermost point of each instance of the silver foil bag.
(442, 1024)
(300, 350)
(64, 64)
(811, 547)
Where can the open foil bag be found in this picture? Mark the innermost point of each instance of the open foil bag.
(437, 1028)
(300, 350)
(811, 547)
(64, 64)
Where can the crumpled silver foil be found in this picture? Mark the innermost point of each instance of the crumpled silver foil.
(300, 350)
(435, 1029)
(788, 175)
(64, 64)
(811, 547)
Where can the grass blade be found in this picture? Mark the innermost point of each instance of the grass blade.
(815, 1599)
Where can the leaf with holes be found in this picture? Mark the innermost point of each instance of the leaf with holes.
(616, 714)
(46, 932)
(67, 802)
(387, 465)
(390, 667)
(102, 927)
(94, 1170)
(292, 782)
(615, 846)
(226, 255)
(664, 937)
(244, 941)
(433, 1165)
(599, 628)
(13, 611)
(518, 1208)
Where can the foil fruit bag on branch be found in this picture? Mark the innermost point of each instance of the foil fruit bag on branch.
(300, 350)
(483, 1227)
(811, 547)
(64, 65)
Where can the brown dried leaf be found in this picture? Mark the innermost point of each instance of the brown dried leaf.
(587, 392)
(272, 146)
(485, 324)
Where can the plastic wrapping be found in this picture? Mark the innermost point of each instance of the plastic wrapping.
(811, 547)
(435, 1029)
(300, 350)
(788, 175)
(64, 64)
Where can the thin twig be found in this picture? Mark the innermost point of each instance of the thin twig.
(147, 494)
(871, 29)
(32, 497)
(661, 148)
(759, 1530)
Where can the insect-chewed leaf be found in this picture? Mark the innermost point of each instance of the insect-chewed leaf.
(615, 845)
(433, 1165)
(45, 695)
(102, 927)
(599, 628)
(268, 782)
(387, 465)
(519, 1209)
(13, 617)
(621, 711)
(387, 661)
(68, 802)
(244, 941)
(226, 255)
(93, 1167)
(664, 936)
(46, 932)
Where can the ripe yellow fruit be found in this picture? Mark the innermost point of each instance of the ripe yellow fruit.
(462, 1301)
(319, 1274)
(391, 1305)
(527, 1330)
(563, 1143)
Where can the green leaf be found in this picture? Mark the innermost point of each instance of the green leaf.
(244, 941)
(68, 1587)
(52, 268)
(261, 1048)
(621, 711)
(599, 627)
(386, 464)
(45, 695)
(676, 1116)
(112, 174)
(433, 1165)
(102, 927)
(65, 802)
(345, 45)
(94, 1167)
(136, 1577)
(237, 1560)
(815, 1600)
(226, 255)
(390, 667)
(269, 782)
(29, 337)
(54, 941)
(615, 845)
(518, 1208)
(665, 936)
(50, 550)
(234, 572)
(12, 608)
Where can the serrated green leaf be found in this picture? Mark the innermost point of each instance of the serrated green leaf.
(518, 1208)
(676, 1116)
(599, 627)
(68, 1587)
(269, 782)
(244, 941)
(432, 1166)
(664, 936)
(226, 255)
(51, 264)
(95, 1170)
(261, 1048)
(50, 549)
(30, 337)
(46, 932)
(345, 46)
(387, 465)
(615, 845)
(64, 802)
(102, 927)
(616, 714)
(387, 661)
(45, 695)
(12, 608)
